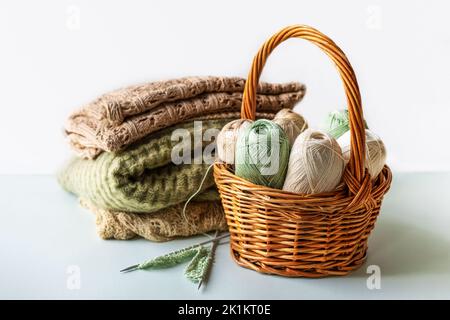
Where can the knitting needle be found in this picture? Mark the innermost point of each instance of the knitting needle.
(213, 249)
(130, 268)
(136, 266)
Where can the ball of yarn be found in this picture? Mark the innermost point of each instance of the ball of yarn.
(315, 165)
(262, 154)
(226, 139)
(292, 123)
(293, 116)
(337, 123)
(375, 152)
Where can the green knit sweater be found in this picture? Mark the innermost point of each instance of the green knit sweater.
(141, 178)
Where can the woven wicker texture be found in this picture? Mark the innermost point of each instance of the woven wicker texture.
(279, 232)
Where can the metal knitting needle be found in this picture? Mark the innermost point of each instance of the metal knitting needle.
(136, 266)
(130, 268)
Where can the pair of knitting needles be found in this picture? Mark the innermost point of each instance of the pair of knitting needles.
(215, 241)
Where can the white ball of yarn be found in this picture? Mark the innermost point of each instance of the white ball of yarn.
(226, 139)
(375, 152)
(315, 165)
(291, 122)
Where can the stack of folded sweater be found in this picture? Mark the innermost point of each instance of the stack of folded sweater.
(124, 171)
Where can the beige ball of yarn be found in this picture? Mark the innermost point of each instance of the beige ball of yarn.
(315, 165)
(375, 152)
(226, 139)
(292, 123)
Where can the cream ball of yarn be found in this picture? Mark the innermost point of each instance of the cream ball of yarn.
(292, 123)
(375, 152)
(226, 139)
(315, 165)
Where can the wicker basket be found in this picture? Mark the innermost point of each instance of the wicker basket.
(279, 232)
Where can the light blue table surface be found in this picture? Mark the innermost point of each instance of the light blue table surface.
(45, 236)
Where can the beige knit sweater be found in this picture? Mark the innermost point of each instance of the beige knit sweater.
(117, 119)
(164, 225)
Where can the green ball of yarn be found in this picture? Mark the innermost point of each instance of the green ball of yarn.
(337, 123)
(262, 154)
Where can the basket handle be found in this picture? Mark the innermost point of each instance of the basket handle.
(357, 131)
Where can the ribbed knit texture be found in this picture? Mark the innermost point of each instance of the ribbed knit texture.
(141, 178)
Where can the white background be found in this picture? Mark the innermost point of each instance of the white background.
(57, 55)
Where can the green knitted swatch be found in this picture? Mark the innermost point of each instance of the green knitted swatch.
(172, 259)
(195, 271)
(197, 268)
(141, 178)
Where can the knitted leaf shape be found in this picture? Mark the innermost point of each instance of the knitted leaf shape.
(197, 268)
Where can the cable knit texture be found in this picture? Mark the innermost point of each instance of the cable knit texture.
(143, 177)
(163, 225)
(117, 119)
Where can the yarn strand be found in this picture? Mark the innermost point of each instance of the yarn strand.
(183, 214)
